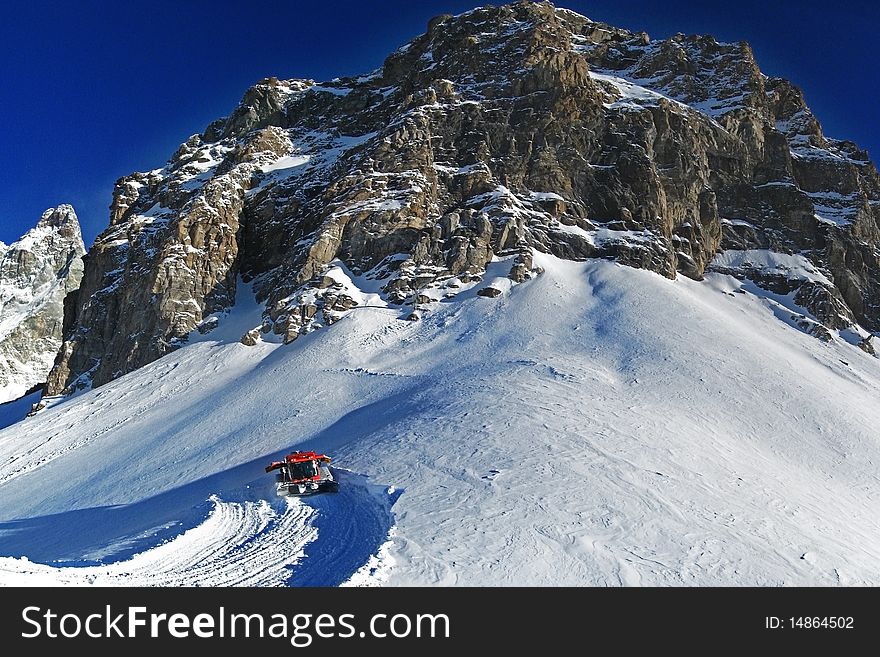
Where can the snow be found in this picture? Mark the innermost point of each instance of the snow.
(601, 236)
(738, 222)
(834, 216)
(15, 410)
(835, 208)
(801, 148)
(467, 169)
(501, 283)
(597, 425)
(314, 150)
(792, 266)
(545, 196)
(573, 229)
(607, 234)
(636, 94)
(715, 88)
(335, 91)
(719, 106)
(286, 162)
(217, 552)
(363, 292)
(633, 96)
(244, 543)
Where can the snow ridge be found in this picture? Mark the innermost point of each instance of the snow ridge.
(240, 544)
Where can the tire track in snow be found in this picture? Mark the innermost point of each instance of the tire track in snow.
(239, 544)
(323, 540)
(354, 526)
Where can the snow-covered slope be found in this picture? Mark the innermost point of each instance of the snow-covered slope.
(596, 425)
(13, 411)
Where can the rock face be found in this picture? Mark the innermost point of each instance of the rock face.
(36, 274)
(498, 132)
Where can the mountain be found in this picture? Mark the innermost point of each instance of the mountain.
(36, 274)
(567, 306)
(498, 132)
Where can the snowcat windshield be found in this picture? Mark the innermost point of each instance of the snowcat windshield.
(304, 470)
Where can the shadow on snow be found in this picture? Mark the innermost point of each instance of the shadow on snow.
(351, 524)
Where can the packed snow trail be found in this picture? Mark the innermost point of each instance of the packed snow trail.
(351, 525)
(318, 540)
(239, 544)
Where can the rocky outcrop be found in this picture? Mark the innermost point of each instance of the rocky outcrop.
(497, 132)
(37, 274)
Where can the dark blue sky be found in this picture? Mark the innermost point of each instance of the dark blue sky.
(90, 91)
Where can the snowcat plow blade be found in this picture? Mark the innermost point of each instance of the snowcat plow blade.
(303, 490)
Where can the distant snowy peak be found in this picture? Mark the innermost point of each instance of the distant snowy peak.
(499, 133)
(57, 229)
(62, 218)
(36, 274)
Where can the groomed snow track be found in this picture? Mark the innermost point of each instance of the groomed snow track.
(321, 540)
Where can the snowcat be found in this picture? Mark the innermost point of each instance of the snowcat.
(303, 473)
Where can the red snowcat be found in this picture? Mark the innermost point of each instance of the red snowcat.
(303, 473)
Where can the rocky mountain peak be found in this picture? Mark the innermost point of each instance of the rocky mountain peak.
(498, 132)
(37, 272)
(62, 217)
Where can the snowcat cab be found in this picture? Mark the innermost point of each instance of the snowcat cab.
(303, 473)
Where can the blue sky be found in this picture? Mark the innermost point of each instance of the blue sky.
(90, 91)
